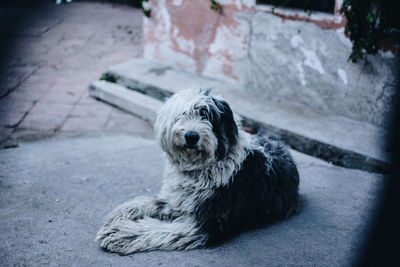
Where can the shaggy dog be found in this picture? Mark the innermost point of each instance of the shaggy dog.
(218, 181)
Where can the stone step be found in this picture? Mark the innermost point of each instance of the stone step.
(139, 104)
(341, 141)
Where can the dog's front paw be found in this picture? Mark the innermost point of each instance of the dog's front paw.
(148, 234)
(114, 238)
(133, 210)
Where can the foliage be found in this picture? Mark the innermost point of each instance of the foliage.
(368, 23)
(214, 5)
(146, 9)
(108, 77)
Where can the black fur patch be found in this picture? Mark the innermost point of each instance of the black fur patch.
(224, 126)
(263, 191)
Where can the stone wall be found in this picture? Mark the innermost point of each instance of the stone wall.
(291, 59)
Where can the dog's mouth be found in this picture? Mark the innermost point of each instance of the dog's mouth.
(190, 157)
(187, 146)
(191, 149)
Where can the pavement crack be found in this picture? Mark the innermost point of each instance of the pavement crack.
(15, 125)
(19, 83)
(48, 29)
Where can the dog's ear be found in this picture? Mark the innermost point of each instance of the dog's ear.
(160, 131)
(205, 92)
(224, 126)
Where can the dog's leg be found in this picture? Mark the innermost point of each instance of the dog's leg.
(146, 234)
(134, 209)
(140, 207)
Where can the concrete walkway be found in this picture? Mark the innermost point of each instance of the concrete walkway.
(55, 194)
(53, 56)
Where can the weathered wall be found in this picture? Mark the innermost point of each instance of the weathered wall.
(295, 62)
(307, 65)
(188, 34)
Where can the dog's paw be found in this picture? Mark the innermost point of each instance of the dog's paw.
(114, 238)
(148, 234)
(123, 212)
(133, 210)
(104, 231)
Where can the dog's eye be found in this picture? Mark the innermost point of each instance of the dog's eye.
(203, 112)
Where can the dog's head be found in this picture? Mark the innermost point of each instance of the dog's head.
(195, 129)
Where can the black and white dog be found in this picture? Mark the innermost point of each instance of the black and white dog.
(218, 181)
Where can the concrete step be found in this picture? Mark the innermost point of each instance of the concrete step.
(128, 100)
(341, 141)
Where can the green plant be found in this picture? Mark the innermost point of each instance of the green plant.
(369, 22)
(214, 5)
(108, 77)
(146, 9)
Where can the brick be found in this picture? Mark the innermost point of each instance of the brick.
(84, 125)
(97, 110)
(64, 94)
(46, 116)
(130, 125)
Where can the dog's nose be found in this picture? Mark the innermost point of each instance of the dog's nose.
(191, 137)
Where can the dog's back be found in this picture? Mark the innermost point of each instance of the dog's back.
(264, 190)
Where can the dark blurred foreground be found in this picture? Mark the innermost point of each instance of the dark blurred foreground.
(382, 244)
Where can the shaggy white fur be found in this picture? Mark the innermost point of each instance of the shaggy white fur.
(200, 201)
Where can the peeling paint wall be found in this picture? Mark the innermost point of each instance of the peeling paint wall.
(192, 36)
(280, 59)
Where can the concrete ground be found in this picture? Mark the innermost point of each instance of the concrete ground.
(53, 56)
(55, 199)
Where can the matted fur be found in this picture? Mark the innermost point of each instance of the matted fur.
(227, 182)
